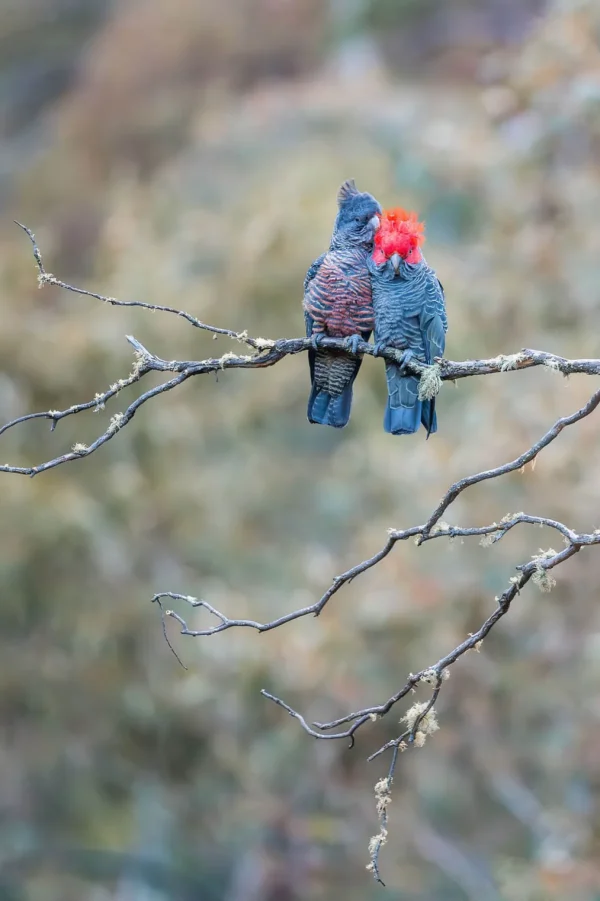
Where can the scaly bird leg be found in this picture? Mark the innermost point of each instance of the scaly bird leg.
(397, 344)
(407, 356)
(352, 344)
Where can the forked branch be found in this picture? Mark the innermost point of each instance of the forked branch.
(420, 720)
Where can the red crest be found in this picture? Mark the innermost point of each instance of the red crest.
(400, 232)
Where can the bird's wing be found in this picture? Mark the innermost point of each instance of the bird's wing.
(434, 322)
(308, 318)
(309, 322)
(313, 269)
(316, 301)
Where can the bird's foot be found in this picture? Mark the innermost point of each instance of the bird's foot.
(407, 356)
(395, 344)
(352, 343)
(317, 339)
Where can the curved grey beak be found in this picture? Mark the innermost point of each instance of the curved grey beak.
(395, 261)
(374, 222)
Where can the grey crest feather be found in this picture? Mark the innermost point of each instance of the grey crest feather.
(347, 189)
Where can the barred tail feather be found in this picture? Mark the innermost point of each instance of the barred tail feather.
(429, 416)
(404, 411)
(332, 377)
(401, 420)
(324, 409)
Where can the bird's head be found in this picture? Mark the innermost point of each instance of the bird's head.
(358, 216)
(398, 238)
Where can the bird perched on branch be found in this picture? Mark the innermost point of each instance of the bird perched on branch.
(337, 303)
(410, 314)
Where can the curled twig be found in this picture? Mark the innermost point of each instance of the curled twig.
(420, 719)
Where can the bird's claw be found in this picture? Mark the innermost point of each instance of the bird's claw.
(352, 343)
(316, 340)
(407, 356)
(395, 344)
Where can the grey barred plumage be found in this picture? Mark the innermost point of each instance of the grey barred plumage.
(333, 372)
(410, 311)
(338, 295)
(337, 302)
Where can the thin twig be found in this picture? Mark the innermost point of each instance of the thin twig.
(165, 634)
(266, 353)
(46, 278)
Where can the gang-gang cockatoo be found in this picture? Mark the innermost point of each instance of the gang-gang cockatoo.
(337, 303)
(410, 314)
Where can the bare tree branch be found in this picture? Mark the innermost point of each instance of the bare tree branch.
(430, 530)
(420, 719)
(537, 569)
(267, 352)
(46, 278)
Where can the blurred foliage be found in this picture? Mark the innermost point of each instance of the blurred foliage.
(192, 157)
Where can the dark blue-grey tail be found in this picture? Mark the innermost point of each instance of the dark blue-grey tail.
(324, 409)
(404, 412)
(332, 377)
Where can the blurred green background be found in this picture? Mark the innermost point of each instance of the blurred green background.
(188, 152)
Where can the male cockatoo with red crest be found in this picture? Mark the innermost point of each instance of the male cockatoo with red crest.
(337, 303)
(410, 313)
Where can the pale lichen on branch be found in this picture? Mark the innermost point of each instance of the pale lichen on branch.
(420, 721)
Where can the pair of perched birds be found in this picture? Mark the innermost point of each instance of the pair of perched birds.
(373, 277)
